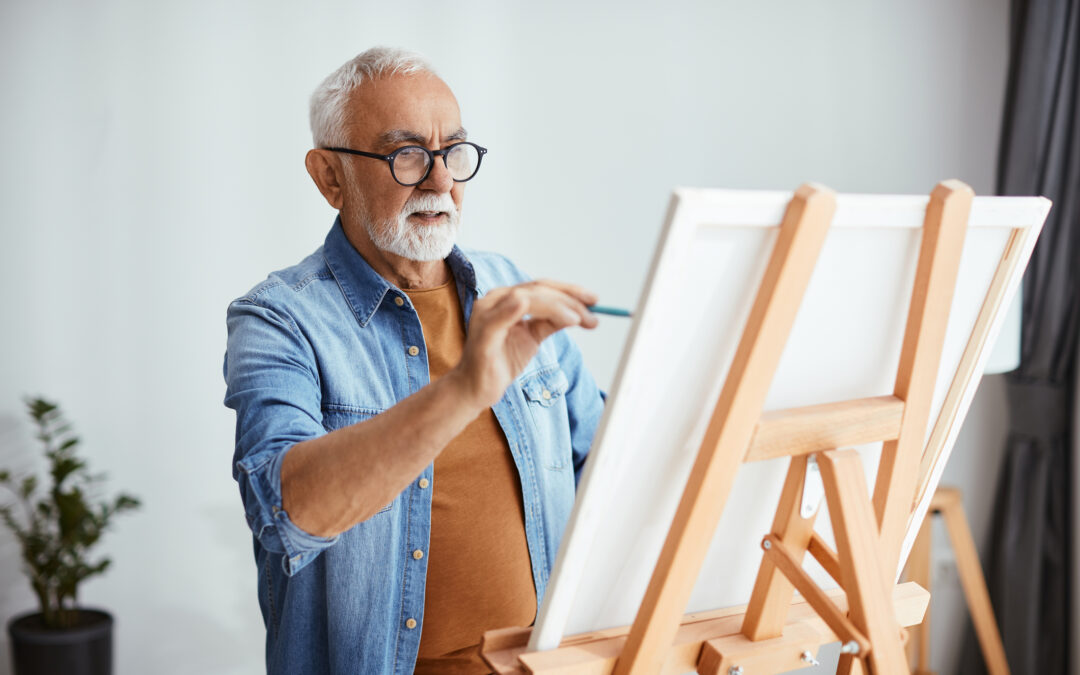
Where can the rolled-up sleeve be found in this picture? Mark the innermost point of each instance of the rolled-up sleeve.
(272, 383)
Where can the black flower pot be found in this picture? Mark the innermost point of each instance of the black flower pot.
(83, 649)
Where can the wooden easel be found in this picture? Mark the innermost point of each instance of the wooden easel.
(948, 503)
(774, 632)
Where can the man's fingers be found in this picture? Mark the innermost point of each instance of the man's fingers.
(583, 295)
(497, 318)
(536, 302)
(542, 329)
(562, 305)
(552, 304)
(578, 297)
(496, 294)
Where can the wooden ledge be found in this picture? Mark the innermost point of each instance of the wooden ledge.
(595, 653)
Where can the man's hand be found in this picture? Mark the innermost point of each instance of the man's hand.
(506, 329)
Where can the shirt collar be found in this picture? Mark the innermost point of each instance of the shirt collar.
(364, 289)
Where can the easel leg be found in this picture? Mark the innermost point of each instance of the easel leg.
(773, 592)
(730, 431)
(850, 664)
(948, 502)
(919, 571)
(858, 549)
(924, 336)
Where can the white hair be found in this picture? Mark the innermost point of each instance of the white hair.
(329, 103)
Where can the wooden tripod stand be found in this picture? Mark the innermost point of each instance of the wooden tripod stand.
(773, 633)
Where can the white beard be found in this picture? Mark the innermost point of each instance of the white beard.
(425, 243)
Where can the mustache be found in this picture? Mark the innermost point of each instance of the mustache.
(429, 202)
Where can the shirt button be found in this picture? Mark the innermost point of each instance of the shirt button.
(546, 394)
(398, 301)
(414, 350)
(417, 554)
(424, 482)
(410, 624)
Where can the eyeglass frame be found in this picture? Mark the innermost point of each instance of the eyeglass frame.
(432, 154)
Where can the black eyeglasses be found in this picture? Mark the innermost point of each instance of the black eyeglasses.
(411, 165)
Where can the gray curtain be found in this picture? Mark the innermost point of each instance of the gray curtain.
(1029, 563)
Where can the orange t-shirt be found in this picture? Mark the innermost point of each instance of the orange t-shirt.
(479, 572)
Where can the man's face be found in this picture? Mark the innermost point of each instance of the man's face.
(416, 222)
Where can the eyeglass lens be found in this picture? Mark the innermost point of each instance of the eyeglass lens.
(411, 164)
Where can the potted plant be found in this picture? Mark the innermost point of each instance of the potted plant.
(56, 531)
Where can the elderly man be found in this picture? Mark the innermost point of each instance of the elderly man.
(411, 419)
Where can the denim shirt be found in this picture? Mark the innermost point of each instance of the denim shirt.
(325, 344)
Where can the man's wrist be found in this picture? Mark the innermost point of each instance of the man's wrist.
(464, 391)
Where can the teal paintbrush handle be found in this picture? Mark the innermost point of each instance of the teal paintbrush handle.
(610, 311)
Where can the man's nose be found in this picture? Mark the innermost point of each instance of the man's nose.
(439, 179)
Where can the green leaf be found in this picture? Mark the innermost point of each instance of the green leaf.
(29, 484)
(39, 407)
(125, 502)
(8, 517)
(73, 512)
(63, 467)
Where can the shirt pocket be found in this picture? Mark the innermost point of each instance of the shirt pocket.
(338, 416)
(545, 397)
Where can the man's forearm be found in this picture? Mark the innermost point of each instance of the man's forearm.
(330, 483)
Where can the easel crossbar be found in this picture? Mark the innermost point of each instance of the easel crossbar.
(815, 428)
(825, 556)
(836, 619)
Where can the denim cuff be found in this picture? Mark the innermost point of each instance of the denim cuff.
(260, 486)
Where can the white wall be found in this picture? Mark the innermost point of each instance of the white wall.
(152, 169)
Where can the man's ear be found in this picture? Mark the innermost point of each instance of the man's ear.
(325, 169)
